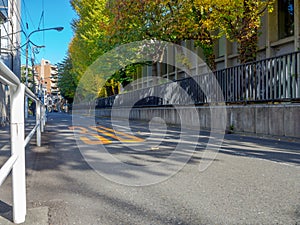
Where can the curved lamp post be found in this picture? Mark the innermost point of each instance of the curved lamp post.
(26, 65)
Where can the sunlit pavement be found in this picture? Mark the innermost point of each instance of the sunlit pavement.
(250, 181)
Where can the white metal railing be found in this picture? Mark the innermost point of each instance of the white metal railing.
(16, 162)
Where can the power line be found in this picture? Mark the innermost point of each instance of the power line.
(42, 16)
(27, 13)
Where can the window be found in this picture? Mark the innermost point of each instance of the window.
(221, 46)
(285, 18)
(4, 10)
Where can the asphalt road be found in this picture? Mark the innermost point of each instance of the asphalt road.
(249, 181)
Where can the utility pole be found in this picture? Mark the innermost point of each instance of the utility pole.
(34, 50)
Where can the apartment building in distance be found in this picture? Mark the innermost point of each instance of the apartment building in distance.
(47, 82)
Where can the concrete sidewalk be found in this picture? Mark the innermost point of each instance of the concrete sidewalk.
(35, 216)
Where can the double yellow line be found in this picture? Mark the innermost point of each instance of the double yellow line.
(105, 132)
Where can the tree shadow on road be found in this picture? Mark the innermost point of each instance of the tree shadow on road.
(277, 151)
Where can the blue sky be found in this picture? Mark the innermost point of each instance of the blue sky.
(56, 13)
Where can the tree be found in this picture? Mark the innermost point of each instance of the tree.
(67, 79)
(90, 33)
(90, 37)
(29, 77)
(103, 25)
(172, 21)
(238, 20)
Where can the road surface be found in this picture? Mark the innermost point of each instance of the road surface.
(250, 181)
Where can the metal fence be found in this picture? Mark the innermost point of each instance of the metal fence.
(18, 141)
(267, 80)
(273, 79)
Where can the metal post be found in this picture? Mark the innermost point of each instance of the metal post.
(38, 122)
(43, 115)
(32, 71)
(18, 148)
(26, 77)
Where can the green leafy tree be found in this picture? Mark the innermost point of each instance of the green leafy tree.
(29, 77)
(90, 33)
(67, 79)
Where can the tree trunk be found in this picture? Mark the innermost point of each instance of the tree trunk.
(210, 60)
(248, 47)
(248, 37)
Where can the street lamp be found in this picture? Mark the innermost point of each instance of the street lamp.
(26, 64)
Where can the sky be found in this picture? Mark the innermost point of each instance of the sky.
(57, 13)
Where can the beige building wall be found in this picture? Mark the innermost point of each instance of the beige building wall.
(48, 77)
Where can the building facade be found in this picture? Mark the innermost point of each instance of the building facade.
(10, 51)
(10, 29)
(46, 81)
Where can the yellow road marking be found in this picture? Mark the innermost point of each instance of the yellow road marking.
(131, 137)
(82, 130)
(105, 131)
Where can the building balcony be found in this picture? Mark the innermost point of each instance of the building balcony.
(53, 79)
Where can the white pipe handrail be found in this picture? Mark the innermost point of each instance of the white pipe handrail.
(5, 81)
(16, 162)
(6, 168)
(31, 95)
(30, 135)
(8, 75)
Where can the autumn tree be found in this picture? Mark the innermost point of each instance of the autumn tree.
(103, 25)
(172, 21)
(238, 20)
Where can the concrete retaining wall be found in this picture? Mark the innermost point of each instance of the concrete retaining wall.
(278, 120)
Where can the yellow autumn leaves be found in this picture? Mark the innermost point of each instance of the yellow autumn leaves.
(104, 24)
